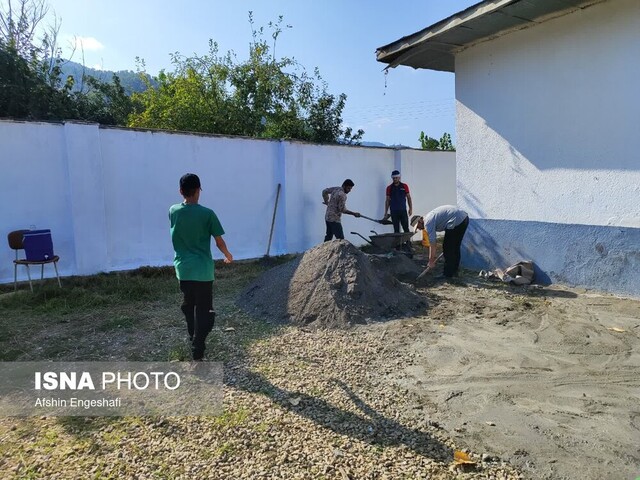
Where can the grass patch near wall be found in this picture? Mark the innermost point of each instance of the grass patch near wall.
(132, 315)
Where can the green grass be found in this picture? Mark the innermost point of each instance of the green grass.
(131, 315)
(121, 321)
(84, 293)
(179, 353)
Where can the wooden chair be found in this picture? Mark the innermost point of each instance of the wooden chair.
(16, 242)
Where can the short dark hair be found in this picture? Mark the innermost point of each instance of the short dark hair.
(189, 184)
(348, 183)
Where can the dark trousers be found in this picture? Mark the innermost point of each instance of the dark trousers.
(334, 229)
(197, 306)
(400, 218)
(451, 248)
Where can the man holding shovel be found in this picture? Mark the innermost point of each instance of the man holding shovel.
(453, 222)
(397, 198)
(192, 226)
(335, 198)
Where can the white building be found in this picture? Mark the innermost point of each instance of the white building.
(548, 133)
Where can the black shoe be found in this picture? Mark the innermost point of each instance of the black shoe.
(197, 353)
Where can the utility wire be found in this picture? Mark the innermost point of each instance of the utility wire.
(445, 102)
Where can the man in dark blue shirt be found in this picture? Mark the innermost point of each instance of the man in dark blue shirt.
(396, 202)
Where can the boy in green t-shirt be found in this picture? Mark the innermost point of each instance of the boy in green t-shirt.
(192, 227)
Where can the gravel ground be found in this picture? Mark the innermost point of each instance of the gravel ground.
(298, 404)
(539, 382)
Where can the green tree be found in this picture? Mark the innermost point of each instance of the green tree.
(263, 96)
(31, 81)
(105, 103)
(26, 90)
(446, 144)
(428, 143)
(16, 81)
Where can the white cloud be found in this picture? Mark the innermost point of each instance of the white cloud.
(380, 122)
(87, 44)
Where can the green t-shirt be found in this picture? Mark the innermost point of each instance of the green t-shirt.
(192, 227)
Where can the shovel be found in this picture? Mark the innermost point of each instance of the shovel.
(426, 270)
(381, 222)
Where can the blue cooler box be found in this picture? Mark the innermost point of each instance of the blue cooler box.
(38, 245)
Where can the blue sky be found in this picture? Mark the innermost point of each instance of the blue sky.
(337, 36)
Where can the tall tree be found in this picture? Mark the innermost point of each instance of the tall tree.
(31, 81)
(19, 20)
(263, 96)
(27, 90)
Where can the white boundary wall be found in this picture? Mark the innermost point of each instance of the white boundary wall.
(105, 192)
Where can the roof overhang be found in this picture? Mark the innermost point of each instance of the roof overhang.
(435, 47)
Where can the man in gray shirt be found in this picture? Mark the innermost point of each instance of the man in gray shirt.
(453, 222)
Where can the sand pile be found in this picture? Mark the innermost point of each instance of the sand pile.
(333, 285)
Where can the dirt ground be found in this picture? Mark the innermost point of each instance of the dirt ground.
(539, 380)
(546, 378)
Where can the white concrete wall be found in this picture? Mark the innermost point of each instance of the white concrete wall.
(318, 167)
(141, 177)
(34, 189)
(428, 191)
(548, 121)
(105, 192)
(548, 130)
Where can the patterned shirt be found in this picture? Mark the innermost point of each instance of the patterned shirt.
(336, 205)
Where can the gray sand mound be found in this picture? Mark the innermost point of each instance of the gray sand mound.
(334, 285)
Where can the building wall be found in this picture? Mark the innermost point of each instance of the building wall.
(105, 192)
(548, 141)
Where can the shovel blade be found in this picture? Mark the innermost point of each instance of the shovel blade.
(381, 222)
